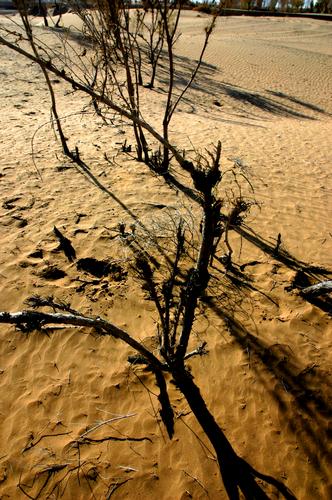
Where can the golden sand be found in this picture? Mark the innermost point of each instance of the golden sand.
(265, 92)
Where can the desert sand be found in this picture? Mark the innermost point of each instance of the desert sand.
(265, 91)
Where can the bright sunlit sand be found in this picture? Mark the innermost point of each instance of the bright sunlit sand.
(265, 91)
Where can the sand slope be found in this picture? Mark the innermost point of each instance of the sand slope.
(265, 92)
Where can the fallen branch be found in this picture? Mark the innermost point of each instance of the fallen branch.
(105, 422)
(113, 438)
(33, 443)
(319, 289)
(29, 320)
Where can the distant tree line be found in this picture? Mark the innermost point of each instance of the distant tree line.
(207, 6)
(210, 6)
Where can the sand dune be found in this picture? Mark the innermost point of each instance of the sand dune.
(265, 91)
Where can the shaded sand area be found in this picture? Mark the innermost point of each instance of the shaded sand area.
(265, 92)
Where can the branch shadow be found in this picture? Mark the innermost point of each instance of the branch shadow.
(206, 82)
(310, 388)
(295, 100)
(306, 274)
(83, 168)
(281, 255)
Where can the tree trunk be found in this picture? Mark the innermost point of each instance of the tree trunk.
(153, 73)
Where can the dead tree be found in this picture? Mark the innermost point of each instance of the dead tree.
(176, 300)
(151, 38)
(177, 296)
(170, 16)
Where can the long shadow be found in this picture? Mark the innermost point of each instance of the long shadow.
(169, 179)
(264, 103)
(295, 100)
(207, 83)
(239, 476)
(306, 274)
(281, 254)
(84, 170)
(311, 409)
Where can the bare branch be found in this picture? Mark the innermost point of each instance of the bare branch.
(105, 422)
(321, 288)
(132, 117)
(36, 320)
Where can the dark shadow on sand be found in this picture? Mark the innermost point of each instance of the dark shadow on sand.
(306, 274)
(310, 388)
(207, 83)
(295, 100)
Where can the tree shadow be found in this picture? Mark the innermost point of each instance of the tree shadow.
(263, 103)
(306, 274)
(310, 388)
(206, 82)
(295, 100)
(84, 169)
(237, 474)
